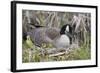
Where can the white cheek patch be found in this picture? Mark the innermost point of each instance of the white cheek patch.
(67, 28)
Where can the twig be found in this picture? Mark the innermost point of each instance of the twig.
(58, 54)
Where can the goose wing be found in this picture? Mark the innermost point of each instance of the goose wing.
(52, 33)
(39, 36)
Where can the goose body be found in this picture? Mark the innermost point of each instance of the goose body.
(55, 36)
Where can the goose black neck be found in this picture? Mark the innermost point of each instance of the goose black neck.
(63, 29)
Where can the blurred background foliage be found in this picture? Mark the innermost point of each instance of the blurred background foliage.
(32, 53)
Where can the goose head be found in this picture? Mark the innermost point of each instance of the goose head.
(66, 29)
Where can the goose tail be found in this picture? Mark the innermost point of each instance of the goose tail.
(35, 26)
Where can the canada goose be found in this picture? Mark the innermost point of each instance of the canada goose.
(59, 38)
